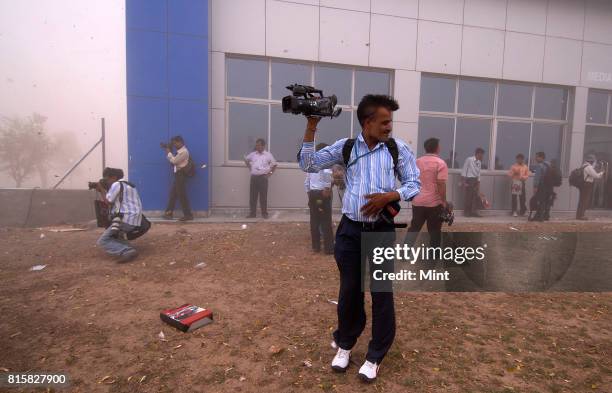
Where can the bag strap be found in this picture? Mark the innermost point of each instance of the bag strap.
(350, 143)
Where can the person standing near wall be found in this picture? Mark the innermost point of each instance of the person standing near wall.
(262, 165)
(586, 190)
(181, 164)
(542, 189)
(470, 175)
(318, 188)
(428, 204)
(519, 173)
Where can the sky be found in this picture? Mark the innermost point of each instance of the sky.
(65, 59)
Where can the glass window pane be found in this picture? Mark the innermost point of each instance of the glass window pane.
(472, 133)
(437, 94)
(333, 80)
(247, 123)
(370, 82)
(476, 96)
(597, 106)
(547, 138)
(441, 128)
(330, 130)
(285, 74)
(286, 134)
(512, 139)
(247, 78)
(514, 100)
(550, 103)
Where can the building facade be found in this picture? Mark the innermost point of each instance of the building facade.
(510, 76)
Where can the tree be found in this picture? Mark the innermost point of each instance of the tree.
(25, 148)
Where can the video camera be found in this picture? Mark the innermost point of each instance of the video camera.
(94, 185)
(305, 102)
(447, 214)
(165, 145)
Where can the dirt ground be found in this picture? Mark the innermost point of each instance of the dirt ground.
(98, 321)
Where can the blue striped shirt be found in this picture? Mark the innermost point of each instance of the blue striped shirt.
(131, 207)
(371, 173)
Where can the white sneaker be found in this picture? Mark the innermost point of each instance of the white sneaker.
(368, 371)
(341, 360)
(514, 214)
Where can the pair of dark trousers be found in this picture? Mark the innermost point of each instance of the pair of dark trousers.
(519, 198)
(320, 220)
(179, 190)
(421, 215)
(351, 312)
(584, 203)
(544, 201)
(472, 198)
(259, 188)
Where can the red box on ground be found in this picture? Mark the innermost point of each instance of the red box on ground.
(187, 317)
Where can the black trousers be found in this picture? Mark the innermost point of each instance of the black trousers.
(321, 220)
(584, 203)
(259, 188)
(351, 312)
(519, 198)
(544, 198)
(179, 190)
(471, 196)
(421, 215)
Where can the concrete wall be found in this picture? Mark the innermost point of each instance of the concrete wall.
(37, 208)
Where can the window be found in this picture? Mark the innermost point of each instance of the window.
(256, 86)
(503, 118)
(598, 107)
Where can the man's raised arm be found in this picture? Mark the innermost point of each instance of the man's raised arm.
(311, 161)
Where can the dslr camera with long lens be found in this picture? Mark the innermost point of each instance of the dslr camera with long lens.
(305, 101)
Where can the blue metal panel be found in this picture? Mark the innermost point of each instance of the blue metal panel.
(188, 67)
(190, 119)
(147, 125)
(153, 184)
(146, 14)
(188, 17)
(146, 63)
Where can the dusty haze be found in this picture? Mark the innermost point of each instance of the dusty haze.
(65, 59)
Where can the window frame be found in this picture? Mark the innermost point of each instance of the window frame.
(269, 102)
(495, 119)
(607, 119)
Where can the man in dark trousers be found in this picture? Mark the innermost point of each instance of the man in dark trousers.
(586, 191)
(262, 165)
(318, 187)
(373, 161)
(427, 206)
(180, 161)
(470, 175)
(542, 189)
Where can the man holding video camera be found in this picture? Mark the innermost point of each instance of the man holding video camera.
(182, 166)
(374, 161)
(126, 213)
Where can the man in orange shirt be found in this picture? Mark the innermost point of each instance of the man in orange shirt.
(519, 173)
(428, 204)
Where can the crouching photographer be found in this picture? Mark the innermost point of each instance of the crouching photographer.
(127, 220)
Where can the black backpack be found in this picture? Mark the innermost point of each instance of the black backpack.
(145, 224)
(552, 177)
(576, 178)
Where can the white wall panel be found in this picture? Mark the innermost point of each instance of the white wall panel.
(238, 26)
(523, 57)
(345, 36)
(528, 16)
(404, 8)
(597, 65)
(485, 13)
(439, 47)
(562, 61)
(483, 52)
(393, 42)
(598, 21)
(450, 11)
(217, 84)
(407, 90)
(282, 38)
(408, 132)
(356, 5)
(566, 18)
(217, 136)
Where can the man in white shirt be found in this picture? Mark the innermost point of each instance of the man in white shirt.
(180, 161)
(318, 187)
(586, 191)
(127, 210)
(471, 180)
(262, 164)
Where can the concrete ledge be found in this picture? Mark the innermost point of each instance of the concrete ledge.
(22, 207)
